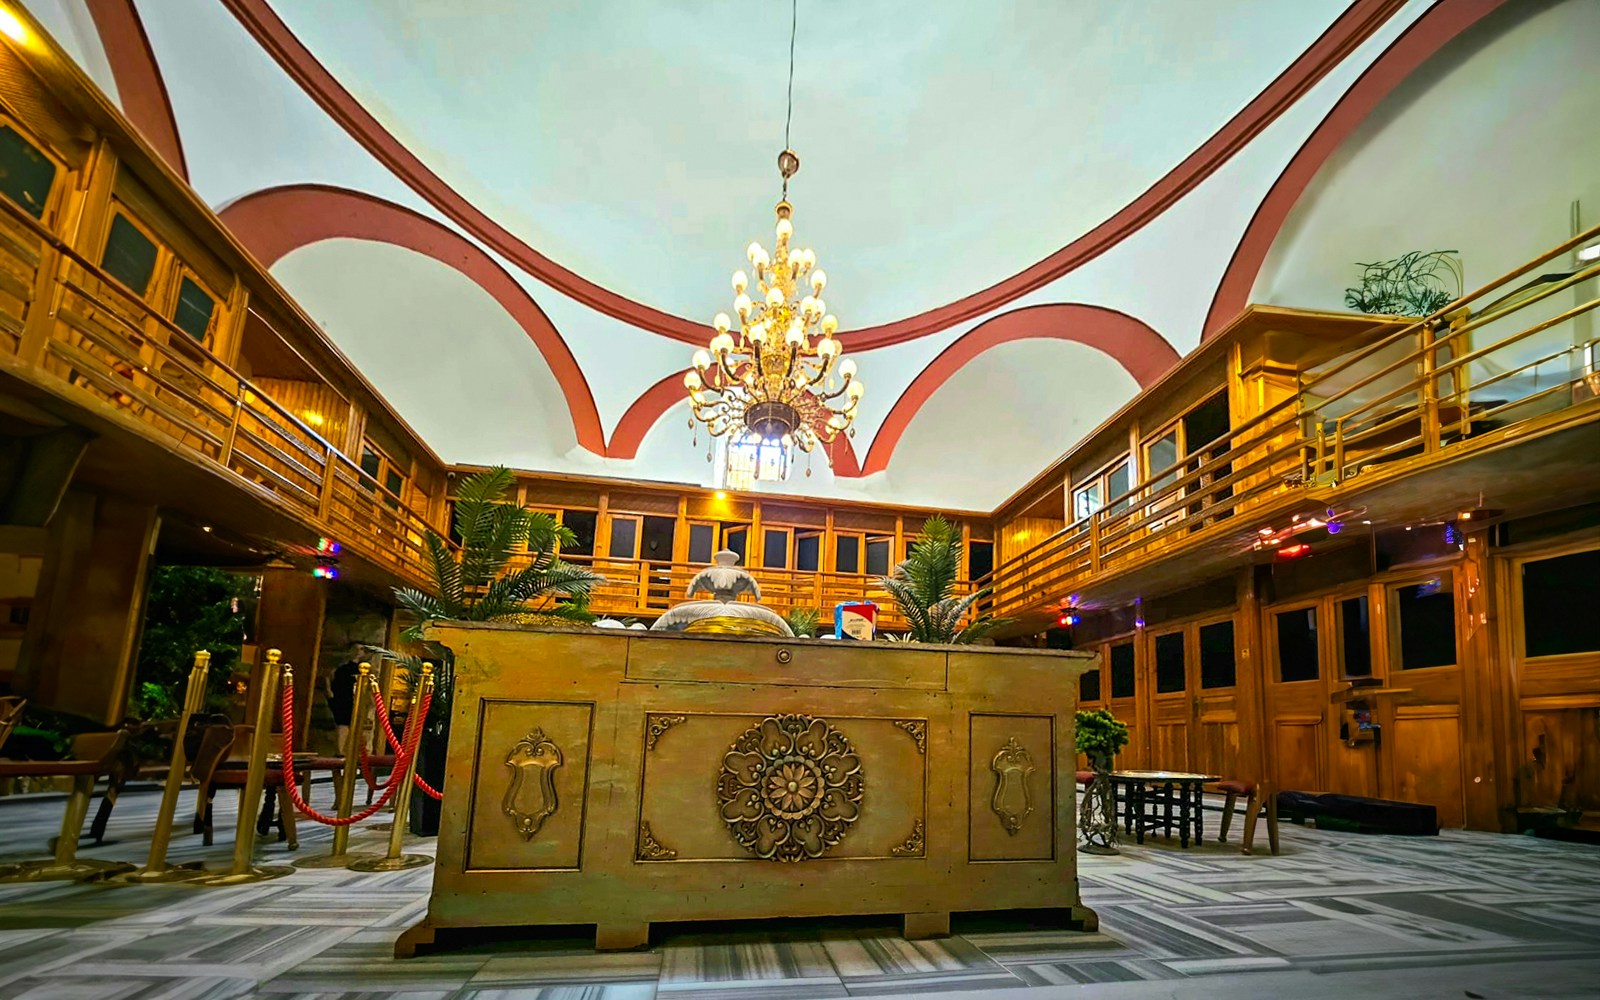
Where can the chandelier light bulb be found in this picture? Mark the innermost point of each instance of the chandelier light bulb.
(838, 421)
(847, 368)
(785, 230)
(691, 381)
(787, 440)
(721, 322)
(808, 306)
(821, 306)
(702, 360)
(741, 304)
(830, 324)
(721, 343)
(762, 260)
(754, 251)
(855, 389)
(774, 297)
(796, 336)
(819, 279)
(827, 347)
(758, 333)
(741, 281)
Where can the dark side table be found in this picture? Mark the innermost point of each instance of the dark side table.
(1165, 801)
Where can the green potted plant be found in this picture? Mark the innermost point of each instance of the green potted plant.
(803, 622)
(1099, 736)
(475, 582)
(922, 588)
(1412, 284)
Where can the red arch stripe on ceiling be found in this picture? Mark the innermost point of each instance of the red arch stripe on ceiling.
(1141, 351)
(273, 222)
(646, 411)
(1426, 36)
(139, 84)
(1354, 26)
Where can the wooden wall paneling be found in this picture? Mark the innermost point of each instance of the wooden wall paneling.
(1251, 666)
(289, 617)
(1427, 739)
(1297, 747)
(1482, 732)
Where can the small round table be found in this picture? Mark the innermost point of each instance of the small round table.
(1148, 798)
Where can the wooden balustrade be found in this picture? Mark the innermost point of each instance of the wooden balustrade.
(1311, 440)
(66, 318)
(643, 588)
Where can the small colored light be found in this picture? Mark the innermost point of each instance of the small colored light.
(326, 572)
(328, 546)
(722, 495)
(1294, 551)
(1334, 527)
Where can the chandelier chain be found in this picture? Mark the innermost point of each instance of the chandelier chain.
(788, 115)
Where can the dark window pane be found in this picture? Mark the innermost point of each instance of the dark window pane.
(702, 540)
(775, 549)
(450, 513)
(878, 556)
(624, 537)
(581, 522)
(980, 559)
(733, 539)
(1122, 676)
(26, 174)
(1561, 604)
(1170, 668)
(807, 553)
(1089, 686)
(1118, 482)
(394, 482)
(1427, 624)
(130, 257)
(847, 554)
(1297, 645)
(1216, 655)
(193, 315)
(1355, 637)
(371, 461)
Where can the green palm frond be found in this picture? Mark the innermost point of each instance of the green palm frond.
(923, 588)
(446, 566)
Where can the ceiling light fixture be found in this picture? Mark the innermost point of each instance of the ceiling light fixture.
(783, 379)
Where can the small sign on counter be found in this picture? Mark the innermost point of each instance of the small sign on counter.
(855, 620)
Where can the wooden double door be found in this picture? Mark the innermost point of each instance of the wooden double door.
(1191, 676)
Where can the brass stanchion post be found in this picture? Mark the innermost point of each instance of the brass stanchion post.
(337, 858)
(244, 869)
(394, 860)
(156, 869)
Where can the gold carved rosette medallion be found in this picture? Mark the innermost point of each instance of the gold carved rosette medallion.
(790, 788)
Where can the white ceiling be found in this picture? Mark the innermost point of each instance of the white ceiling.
(945, 147)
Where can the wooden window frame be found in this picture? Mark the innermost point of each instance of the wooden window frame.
(1101, 478)
(57, 192)
(1514, 604)
(1391, 606)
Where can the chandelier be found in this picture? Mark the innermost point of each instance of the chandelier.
(781, 377)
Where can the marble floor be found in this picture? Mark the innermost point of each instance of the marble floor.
(1335, 915)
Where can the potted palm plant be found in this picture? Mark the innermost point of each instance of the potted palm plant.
(1099, 736)
(923, 588)
(485, 579)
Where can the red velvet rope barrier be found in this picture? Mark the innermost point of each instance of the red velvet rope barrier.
(394, 744)
(292, 784)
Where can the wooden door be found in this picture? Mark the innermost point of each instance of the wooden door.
(1121, 698)
(1296, 697)
(1422, 723)
(1353, 764)
(1214, 730)
(1171, 708)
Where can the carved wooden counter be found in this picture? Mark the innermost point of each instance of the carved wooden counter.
(618, 779)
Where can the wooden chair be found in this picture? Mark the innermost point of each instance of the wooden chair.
(93, 755)
(222, 761)
(11, 708)
(1255, 798)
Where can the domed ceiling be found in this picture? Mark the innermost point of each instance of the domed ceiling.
(974, 177)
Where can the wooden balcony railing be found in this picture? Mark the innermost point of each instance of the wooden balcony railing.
(640, 588)
(99, 343)
(1484, 365)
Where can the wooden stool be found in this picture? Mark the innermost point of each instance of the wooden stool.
(1253, 802)
(93, 755)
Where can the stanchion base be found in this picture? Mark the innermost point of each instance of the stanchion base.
(257, 873)
(333, 860)
(81, 870)
(1098, 850)
(379, 827)
(157, 876)
(387, 864)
